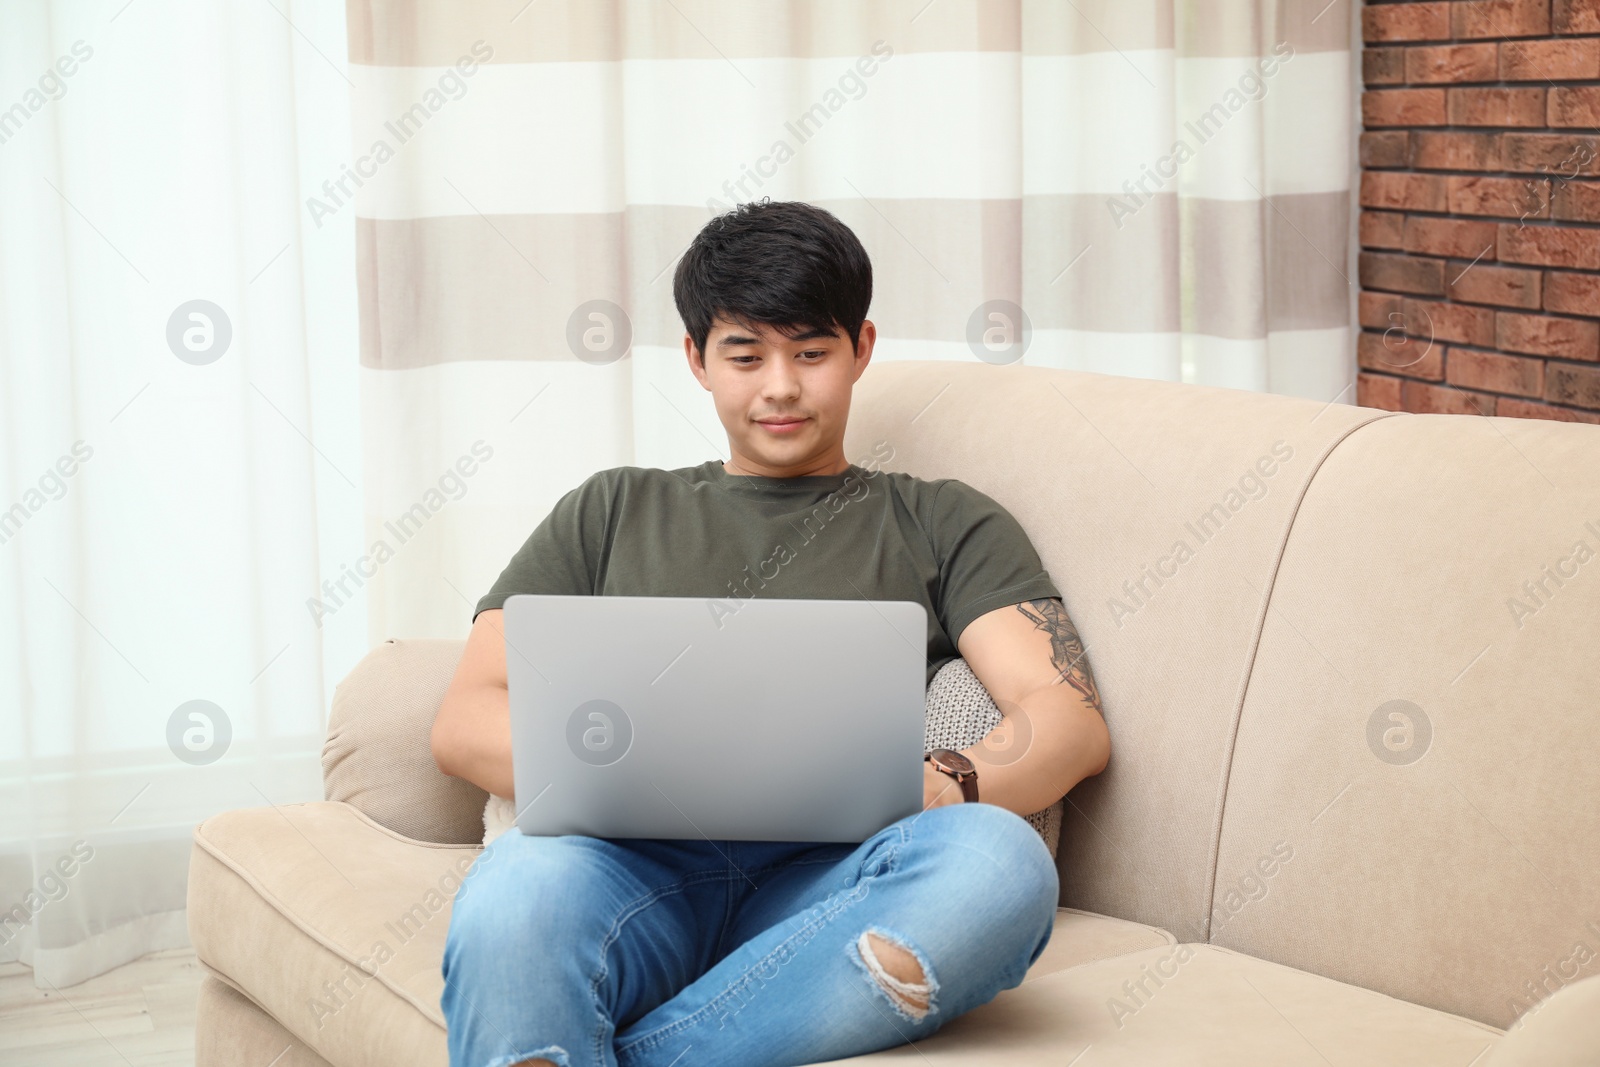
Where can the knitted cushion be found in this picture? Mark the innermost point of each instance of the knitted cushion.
(960, 713)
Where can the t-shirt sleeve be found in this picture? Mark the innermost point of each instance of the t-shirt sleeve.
(986, 560)
(562, 555)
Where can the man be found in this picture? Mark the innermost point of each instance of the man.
(580, 951)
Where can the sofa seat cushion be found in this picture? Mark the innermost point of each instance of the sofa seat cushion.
(1198, 1005)
(336, 926)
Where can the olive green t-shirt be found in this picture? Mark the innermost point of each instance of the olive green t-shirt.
(702, 532)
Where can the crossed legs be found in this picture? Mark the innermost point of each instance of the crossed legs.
(582, 953)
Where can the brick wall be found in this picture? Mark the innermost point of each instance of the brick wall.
(1480, 208)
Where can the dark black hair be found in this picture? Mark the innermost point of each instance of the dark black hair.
(788, 265)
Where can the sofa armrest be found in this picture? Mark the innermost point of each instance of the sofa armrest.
(1563, 1030)
(378, 757)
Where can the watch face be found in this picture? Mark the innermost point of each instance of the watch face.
(954, 760)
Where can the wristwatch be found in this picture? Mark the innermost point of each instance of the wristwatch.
(958, 767)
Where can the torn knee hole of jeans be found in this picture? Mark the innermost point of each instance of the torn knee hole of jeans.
(554, 1053)
(912, 999)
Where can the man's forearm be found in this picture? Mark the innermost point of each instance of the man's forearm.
(1060, 735)
(472, 739)
(1040, 751)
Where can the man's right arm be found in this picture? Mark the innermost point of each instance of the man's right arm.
(471, 736)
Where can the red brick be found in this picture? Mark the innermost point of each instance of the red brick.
(1575, 16)
(1461, 323)
(1527, 409)
(1411, 107)
(1378, 310)
(1576, 201)
(1406, 274)
(1495, 107)
(1454, 150)
(1383, 229)
(1511, 197)
(1564, 153)
(1537, 203)
(1547, 335)
(1386, 148)
(1550, 246)
(1549, 60)
(1500, 18)
(1576, 294)
(1406, 22)
(1425, 399)
(1377, 391)
(1452, 63)
(1468, 238)
(1575, 105)
(1393, 352)
(1414, 192)
(1578, 386)
(1502, 286)
(1494, 373)
(1383, 66)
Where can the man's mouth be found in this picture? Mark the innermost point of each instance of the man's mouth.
(782, 424)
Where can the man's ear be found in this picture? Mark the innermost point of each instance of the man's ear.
(696, 364)
(869, 337)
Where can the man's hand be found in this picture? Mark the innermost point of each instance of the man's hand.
(938, 788)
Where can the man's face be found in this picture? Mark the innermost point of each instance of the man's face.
(757, 377)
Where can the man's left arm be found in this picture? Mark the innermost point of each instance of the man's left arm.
(1032, 661)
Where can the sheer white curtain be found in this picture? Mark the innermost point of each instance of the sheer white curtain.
(180, 462)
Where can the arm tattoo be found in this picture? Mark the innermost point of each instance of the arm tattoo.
(1066, 647)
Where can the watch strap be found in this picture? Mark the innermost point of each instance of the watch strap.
(969, 787)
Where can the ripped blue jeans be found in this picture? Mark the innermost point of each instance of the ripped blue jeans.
(635, 952)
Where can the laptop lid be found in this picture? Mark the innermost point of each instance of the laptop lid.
(688, 717)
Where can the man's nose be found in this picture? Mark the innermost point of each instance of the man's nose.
(781, 380)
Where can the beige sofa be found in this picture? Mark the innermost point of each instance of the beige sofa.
(1352, 814)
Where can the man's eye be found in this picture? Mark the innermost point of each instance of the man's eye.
(742, 360)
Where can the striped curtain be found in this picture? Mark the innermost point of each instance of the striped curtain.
(1155, 188)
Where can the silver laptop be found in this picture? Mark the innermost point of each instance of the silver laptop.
(687, 717)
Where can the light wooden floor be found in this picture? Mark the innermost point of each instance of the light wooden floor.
(139, 1015)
